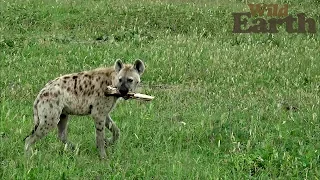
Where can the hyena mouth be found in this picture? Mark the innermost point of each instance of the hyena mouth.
(124, 94)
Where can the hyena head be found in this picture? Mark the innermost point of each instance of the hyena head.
(128, 76)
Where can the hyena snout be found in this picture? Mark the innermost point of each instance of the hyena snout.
(123, 90)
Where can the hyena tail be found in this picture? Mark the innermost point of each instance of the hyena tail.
(36, 119)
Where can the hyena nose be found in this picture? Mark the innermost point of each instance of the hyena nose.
(123, 91)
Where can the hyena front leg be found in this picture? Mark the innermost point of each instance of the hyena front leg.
(63, 130)
(114, 130)
(100, 133)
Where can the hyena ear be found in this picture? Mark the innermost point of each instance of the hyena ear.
(118, 65)
(139, 66)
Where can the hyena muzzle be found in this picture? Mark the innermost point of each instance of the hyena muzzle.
(83, 93)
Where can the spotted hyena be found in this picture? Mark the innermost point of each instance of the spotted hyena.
(83, 93)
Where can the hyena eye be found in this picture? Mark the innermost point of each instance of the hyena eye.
(130, 80)
(120, 79)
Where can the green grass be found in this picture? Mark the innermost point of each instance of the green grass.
(234, 92)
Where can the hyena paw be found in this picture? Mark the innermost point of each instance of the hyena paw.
(109, 142)
(28, 153)
(69, 145)
(103, 155)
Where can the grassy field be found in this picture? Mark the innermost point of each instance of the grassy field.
(229, 106)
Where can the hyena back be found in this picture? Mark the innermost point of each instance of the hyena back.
(83, 93)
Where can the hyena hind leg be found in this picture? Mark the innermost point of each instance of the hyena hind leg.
(63, 130)
(47, 120)
(41, 131)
